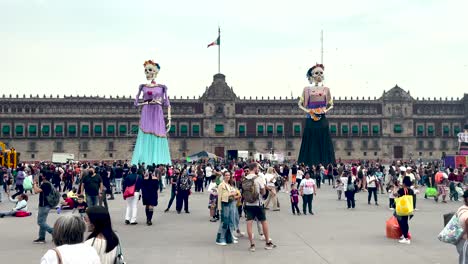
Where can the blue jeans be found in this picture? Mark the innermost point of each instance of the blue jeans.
(42, 222)
(225, 231)
(92, 200)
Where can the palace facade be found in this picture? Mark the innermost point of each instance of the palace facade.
(396, 125)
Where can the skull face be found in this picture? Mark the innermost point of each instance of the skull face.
(317, 75)
(151, 71)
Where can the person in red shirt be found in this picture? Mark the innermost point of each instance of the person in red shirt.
(67, 204)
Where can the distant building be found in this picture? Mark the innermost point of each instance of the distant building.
(395, 125)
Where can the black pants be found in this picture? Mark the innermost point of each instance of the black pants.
(371, 190)
(20, 189)
(307, 202)
(182, 198)
(173, 195)
(199, 185)
(350, 199)
(207, 181)
(295, 208)
(391, 203)
(298, 182)
(414, 201)
(403, 222)
(330, 179)
(68, 184)
(319, 182)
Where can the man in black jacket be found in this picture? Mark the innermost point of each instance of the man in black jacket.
(184, 184)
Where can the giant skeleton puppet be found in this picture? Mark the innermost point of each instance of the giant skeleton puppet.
(316, 101)
(152, 144)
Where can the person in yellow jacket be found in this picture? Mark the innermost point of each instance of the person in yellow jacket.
(226, 194)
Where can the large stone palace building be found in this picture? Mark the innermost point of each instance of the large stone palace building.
(396, 125)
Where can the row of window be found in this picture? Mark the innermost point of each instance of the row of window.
(71, 130)
(445, 130)
(355, 130)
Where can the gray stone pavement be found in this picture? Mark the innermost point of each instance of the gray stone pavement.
(334, 235)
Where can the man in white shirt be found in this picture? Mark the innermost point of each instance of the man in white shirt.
(299, 176)
(307, 189)
(254, 209)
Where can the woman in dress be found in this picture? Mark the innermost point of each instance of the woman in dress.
(150, 188)
(316, 101)
(152, 145)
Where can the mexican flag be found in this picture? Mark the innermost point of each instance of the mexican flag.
(217, 42)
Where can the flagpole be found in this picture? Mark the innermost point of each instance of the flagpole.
(219, 50)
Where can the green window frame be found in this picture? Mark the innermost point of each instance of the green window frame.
(45, 129)
(173, 129)
(355, 129)
(365, 129)
(344, 129)
(98, 129)
(446, 130)
(333, 129)
(85, 129)
(72, 129)
(59, 129)
(19, 129)
(420, 129)
(456, 130)
(6, 129)
(297, 129)
(430, 129)
(219, 128)
(135, 128)
(397, 128)
(183, 128)
(260, 129)
(123, 129)
(375, 129)
(270, 129)
(279, 129)
(32, 129)
(241, 128)
(110, 129)
(196, 129)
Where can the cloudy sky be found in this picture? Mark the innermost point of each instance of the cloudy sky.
(98, 47)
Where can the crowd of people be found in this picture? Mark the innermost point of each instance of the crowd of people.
(235, 188)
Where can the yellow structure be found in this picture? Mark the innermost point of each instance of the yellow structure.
(8, 157)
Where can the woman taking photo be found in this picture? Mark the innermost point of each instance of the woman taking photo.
(102, 238)
(226, 196)
(149, 190)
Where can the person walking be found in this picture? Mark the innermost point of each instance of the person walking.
(403, 221)
(118, 178)
(133, 179)
(19, 182)
(173, 178)
(149, 190)
(44, 208)
(184, 184)
(350, 188)
(92, 186)
(307, 190)
(253, 186)
(271, 178)
(371, 181)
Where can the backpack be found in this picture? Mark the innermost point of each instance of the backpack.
(27, 184)
(53, 198)
(350, 187)
(185, 183)
(249, 191)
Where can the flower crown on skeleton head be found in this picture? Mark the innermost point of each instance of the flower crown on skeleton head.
(150, 62)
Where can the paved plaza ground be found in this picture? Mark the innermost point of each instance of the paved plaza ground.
(334, 235)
